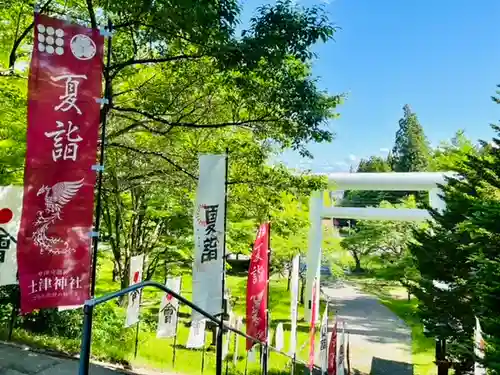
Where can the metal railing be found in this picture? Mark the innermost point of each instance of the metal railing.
(88, 309)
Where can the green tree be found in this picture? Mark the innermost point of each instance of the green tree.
(374, 164)
(388, 239)
(450, 154)
(411, 148)
(460, 249)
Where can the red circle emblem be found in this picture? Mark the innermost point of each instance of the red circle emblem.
(136, 277)
(6, 215)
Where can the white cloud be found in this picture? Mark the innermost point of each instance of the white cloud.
(341, 164)
(384, 150)
(353, 157)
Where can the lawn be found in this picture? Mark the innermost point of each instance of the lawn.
(158, 353)
(393, 296)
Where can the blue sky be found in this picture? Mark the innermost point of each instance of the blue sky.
(440, 56)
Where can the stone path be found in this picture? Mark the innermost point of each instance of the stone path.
(380, 342)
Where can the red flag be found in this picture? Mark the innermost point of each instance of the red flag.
(312, 330)
(258, 274)
(63, 120)
(332, 352)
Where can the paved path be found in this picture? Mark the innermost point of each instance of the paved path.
(380, 342)
(19, 361)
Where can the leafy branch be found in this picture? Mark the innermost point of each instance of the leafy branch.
(191, 124)
(153, 153)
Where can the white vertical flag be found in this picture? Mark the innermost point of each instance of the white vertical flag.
(225, 348)
(294, 291)
(11, 205)
(314, 254)
(134, 298)
(169, 309)
(478, 349)
(208, 218)
(323, 342)
(279, 337)
(341, 353)
(239, 325)
(251, 354)
(196, 338)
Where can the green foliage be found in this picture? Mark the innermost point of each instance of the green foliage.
(411, 149)
(461, 249)
(374, 164)
(385, 238)
(449, 155)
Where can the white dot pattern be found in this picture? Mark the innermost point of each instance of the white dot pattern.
(50, 40)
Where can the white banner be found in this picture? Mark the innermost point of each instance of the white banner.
(11, 204)
(478, 349)
(134, 298)
(341, 353)
(294, 300)
(208, 218)
(323, 342)
(196, 338)
(169, 309)
(279, 339)
(239, 325)
(313, 254)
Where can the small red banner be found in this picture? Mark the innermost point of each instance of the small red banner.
(332, 352)
(258, 275)
(63, 120)
(312, 329)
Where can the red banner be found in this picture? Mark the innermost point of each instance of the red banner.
(63, 120)
(312, 329)
(258, 275)
(332, 352)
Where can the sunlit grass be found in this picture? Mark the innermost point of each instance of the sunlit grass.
(158, 353)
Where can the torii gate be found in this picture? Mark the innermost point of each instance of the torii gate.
(391, 181)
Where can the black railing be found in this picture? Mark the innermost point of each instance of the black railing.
(87, 328)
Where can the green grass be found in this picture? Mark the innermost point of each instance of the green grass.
(393, 296)
(157, 353)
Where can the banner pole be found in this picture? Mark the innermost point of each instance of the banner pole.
(203, 352)
(176, 325)
(13, 315)
(219, 344)
(246, 363)
(104, 117)
(265, 357)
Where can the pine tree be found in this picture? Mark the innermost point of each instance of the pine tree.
(462, 249)
(411, 148)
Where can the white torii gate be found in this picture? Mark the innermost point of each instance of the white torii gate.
(411, 181)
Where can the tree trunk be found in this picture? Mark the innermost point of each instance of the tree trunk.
(114, 277)
(357, 261)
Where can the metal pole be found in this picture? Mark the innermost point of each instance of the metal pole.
(219, 344)
(136, 338)
(203, 352)
(104, 117)
(265, 356)
(176, 324)
(13, 315)
(83, 368)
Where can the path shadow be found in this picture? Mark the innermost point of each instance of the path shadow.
(387, 367)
